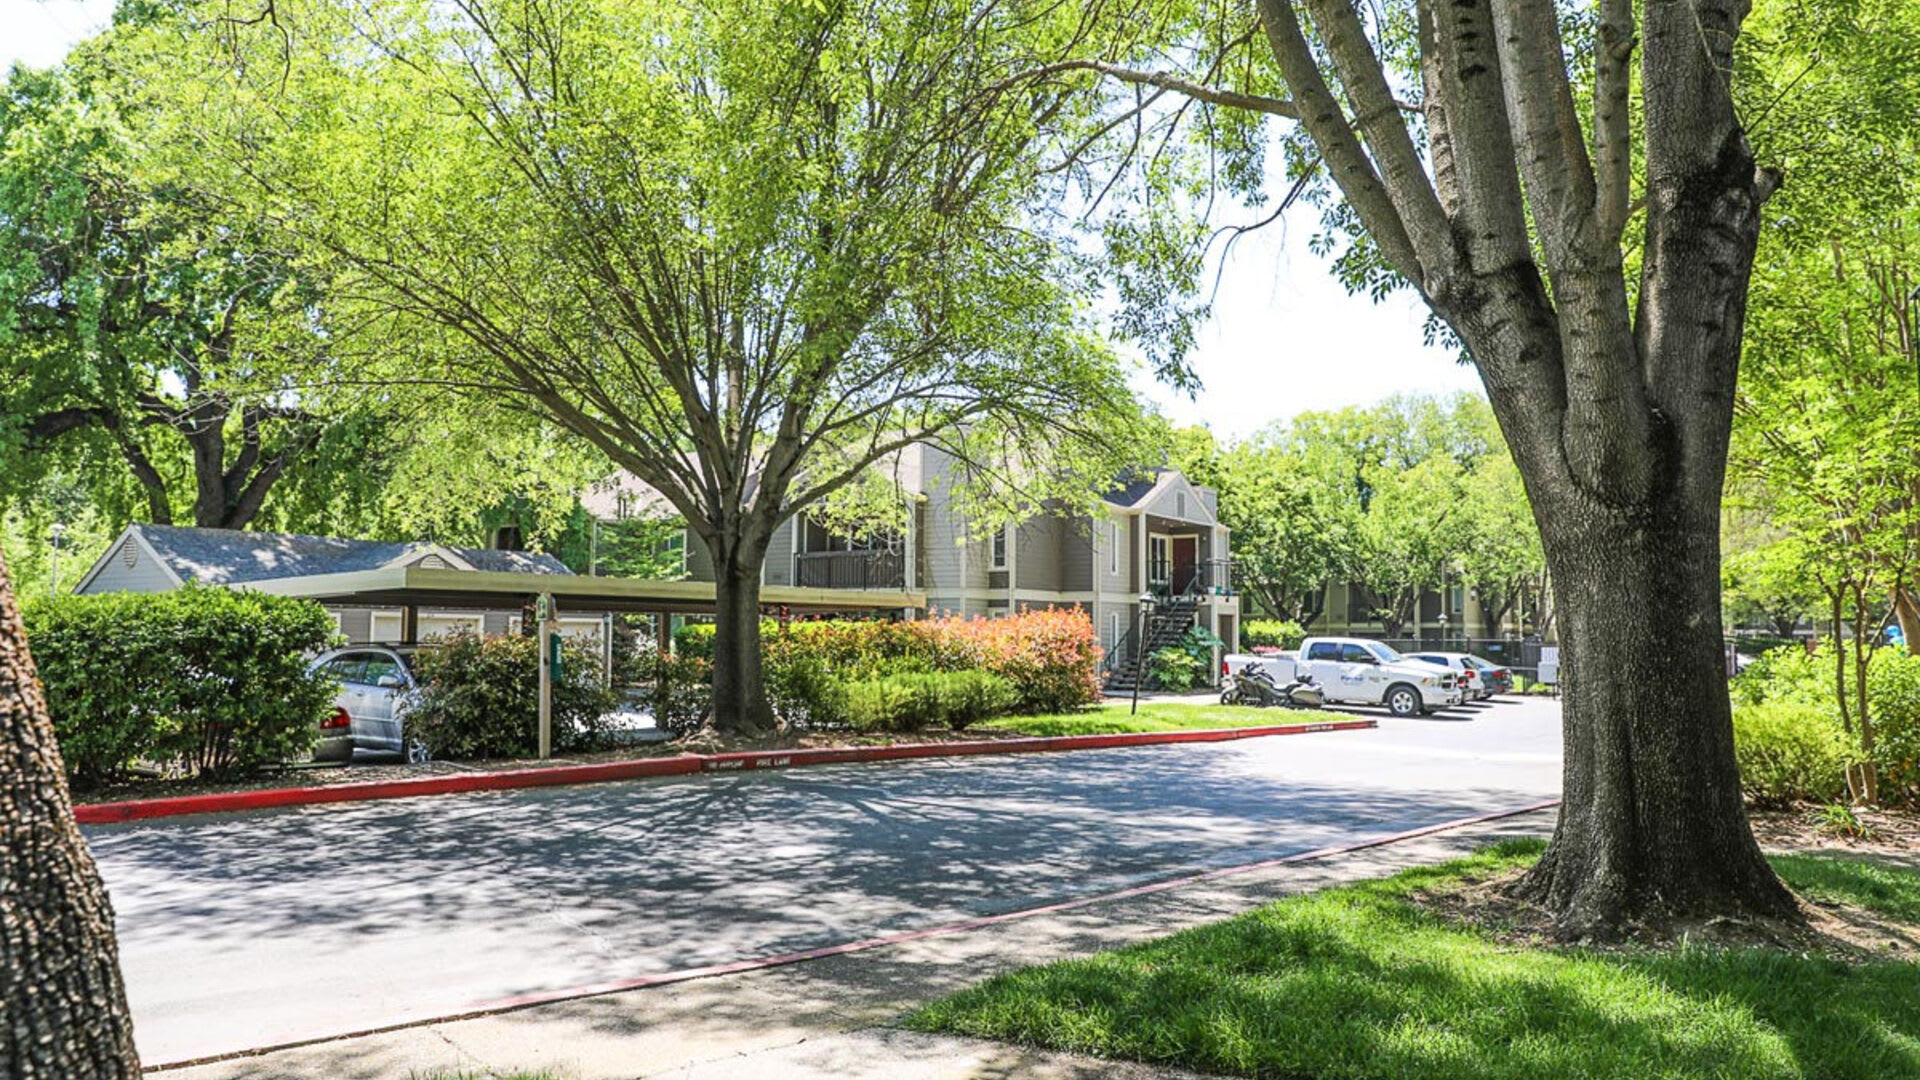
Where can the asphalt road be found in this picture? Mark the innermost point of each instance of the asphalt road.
(248, 930)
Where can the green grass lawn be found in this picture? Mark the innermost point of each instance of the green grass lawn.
(1159, 716)
(1357, 983)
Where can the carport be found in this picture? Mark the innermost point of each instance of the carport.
(411, 588)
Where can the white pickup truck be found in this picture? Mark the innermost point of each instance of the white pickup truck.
(1356, 671)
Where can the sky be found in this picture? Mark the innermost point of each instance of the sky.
(1283, 337)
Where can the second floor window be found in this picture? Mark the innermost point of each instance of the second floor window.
(1113, 547)
(1000, 549)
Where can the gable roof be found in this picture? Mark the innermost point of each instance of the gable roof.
(232, 557)
(1134, 487)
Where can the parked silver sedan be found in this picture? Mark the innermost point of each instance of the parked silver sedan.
(368, 713)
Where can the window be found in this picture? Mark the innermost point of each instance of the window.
(1000, 549)
(1113, 547)
(676, 546)
(379, 666)
(1457, 599)
(1180, 504)
(1113, 628)
(346, 667)
(1324, 650)
(1357, 654)
(386, 626)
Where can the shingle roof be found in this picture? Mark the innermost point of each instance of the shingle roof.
(1134, 487)
(227, 556)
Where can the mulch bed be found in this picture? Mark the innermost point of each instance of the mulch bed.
(1892, 835)
(1838, 930)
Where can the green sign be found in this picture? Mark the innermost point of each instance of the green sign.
(553, 653)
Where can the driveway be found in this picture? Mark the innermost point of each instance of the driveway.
(242, 931)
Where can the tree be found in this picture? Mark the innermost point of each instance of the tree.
(1828, 405)
(135, 321)
(59, 967)
(1454, 137)
(745, 251)
(1290, 511)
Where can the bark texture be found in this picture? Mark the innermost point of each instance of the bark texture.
(740, 703)
(63, 1010)
(1618, 417)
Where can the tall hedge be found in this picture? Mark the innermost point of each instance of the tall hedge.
(206, 681)
(1050, 657)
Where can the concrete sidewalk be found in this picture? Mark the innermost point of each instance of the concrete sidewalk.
(829, 1017)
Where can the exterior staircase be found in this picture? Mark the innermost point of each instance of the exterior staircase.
(1127, 664)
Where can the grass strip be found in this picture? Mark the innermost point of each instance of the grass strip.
(1358, 983)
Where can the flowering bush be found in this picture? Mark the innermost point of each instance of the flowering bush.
(1049, 657)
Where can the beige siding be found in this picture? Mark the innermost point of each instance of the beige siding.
(1037, 563)
(1113, 543)
(1076, 555)
(699, 559)
(941, 531)
(780, 555)
(128, 568)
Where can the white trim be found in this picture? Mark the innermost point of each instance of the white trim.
(1151, 537)
(113, 550)
(476, 621)
(417, 552)
(1003, 558)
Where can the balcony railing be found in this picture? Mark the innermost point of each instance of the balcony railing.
(850, 570)
(1208, 577)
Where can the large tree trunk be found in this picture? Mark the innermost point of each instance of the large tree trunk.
(1906, 610)
(63, 1011)
(1652, 829)
(740, 704)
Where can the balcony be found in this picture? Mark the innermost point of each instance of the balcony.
(850, 570)
(1208, 577)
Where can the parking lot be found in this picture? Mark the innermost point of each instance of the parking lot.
(247, 930)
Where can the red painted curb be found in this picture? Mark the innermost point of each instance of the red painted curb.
(560, 775)
(666, 978)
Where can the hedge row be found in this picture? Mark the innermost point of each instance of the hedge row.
(1271, 634)
(1791, 743)
(205, 681)
(1048, 659)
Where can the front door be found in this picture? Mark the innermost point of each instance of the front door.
(1186, 562)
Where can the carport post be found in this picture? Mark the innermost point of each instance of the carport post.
(546, 675)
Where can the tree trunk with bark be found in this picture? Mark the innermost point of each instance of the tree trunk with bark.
(1511, 224)
(1652, 828)
(740, 703)
(63, 1010)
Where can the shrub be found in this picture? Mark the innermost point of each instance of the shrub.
(203, 679)
(1048, 658)
(1051, 657)
(880, 704)
(1894, 686)
(1279, 634)
(915, 700)
(685, 700)
(1791, 675)
(975, 696)
(480, 697)
(1173, 668)
(1790, 752)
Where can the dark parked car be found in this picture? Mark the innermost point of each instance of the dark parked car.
(369, 712)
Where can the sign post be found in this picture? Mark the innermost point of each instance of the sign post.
(549, 643)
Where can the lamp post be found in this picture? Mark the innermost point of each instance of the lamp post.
(1140, 636)
(1443, 629)
(53, 578)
